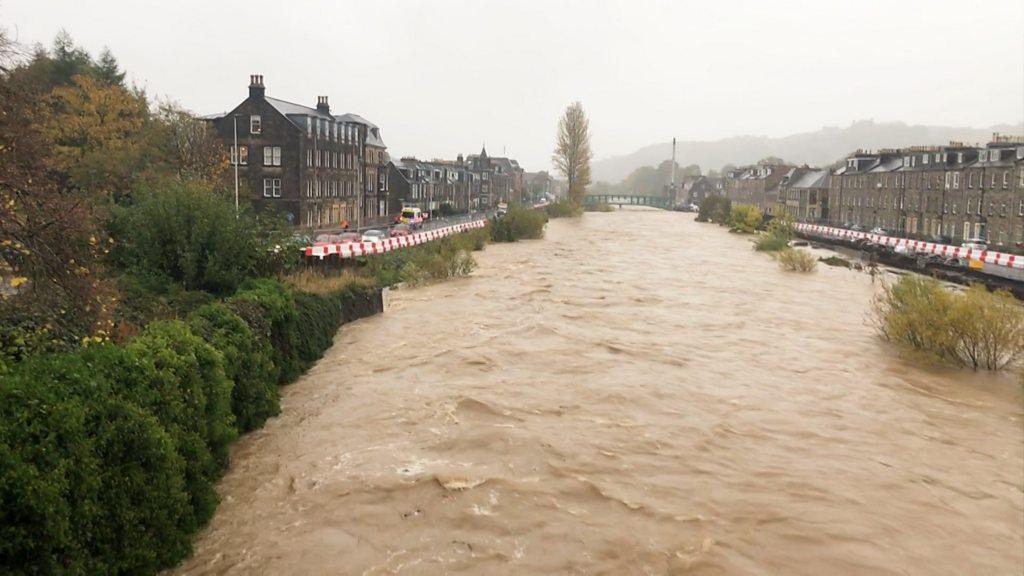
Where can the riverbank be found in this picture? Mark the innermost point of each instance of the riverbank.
(581, 405)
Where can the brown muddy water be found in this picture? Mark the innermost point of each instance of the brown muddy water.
(636, 394)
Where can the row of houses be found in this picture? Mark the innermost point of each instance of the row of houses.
(478, 182)
(323, 170)
(950, 193)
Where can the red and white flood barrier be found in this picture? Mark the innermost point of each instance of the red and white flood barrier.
(916, 246)
(354, 249)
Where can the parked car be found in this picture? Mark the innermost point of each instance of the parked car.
(400, 230)
(342, 238)
(879, 231)
(373, 236)
(975, 244)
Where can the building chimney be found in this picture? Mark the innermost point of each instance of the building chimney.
(256, 88)
(322, 105)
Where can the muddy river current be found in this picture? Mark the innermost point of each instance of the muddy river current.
(635, 394)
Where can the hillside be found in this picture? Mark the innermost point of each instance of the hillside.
(816, 148)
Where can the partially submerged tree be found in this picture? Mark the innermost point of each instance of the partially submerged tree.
(572, 151)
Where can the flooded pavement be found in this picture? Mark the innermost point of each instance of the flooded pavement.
(636, 394)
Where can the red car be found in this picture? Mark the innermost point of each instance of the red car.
(343, 238)
(400, 230)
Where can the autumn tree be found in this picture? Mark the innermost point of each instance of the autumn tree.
(96, 131)
(49, 240)
(572, 151)
(188, 148)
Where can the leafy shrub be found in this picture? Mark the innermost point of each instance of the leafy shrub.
(442, 259)
(770, 243)
(319, 317)
(989, 327)
(745, 218)
(182, 232)
(563, 209)
(180, 379)
(247, 363)
(797, 260)
(716, 209)
(277, 306)
(977, 329)
(89, 481)
(518, 224)
(781, 226)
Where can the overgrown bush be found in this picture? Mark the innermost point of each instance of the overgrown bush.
(716, 209)
(744, 218)
(319, 317)
(247, 363)
(795, 260)
(977, 329)
(89, 482)
(277, 307)
(183, 232)
(180, 379)
(519, 223)
(108, 455)
(562, 209)
(769, 243)
(449, 257)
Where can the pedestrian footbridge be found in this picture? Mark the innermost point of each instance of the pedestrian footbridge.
(662, 202)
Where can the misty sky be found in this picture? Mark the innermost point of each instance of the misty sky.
(442, 77)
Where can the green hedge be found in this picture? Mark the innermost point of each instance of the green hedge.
(109, 455)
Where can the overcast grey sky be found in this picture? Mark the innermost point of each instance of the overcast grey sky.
(442, 77)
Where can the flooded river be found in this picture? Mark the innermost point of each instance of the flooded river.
(636, 394)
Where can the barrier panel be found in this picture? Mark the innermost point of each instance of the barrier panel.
(355, 249)
(917, 246)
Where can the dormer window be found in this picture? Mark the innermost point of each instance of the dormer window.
(982, 155)
(924, 159)
(255, 124)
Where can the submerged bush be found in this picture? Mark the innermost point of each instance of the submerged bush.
(519, 223)
(562, 209)
(745, 218)
(600, 207)
(715, 208)
(835, 261)
(977, 329)
(795, 260)
(768, 243)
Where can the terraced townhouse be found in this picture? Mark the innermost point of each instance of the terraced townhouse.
(316, 169)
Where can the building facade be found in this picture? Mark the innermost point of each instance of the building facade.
(954, 193)
(303, 162)
(757, 185)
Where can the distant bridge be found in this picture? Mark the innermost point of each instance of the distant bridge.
(662, 202)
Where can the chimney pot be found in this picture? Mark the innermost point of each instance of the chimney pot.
(256, 88)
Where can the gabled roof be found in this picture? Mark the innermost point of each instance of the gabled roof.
(810, 179)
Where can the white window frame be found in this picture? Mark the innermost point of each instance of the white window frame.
(255, 124)
(271, 155)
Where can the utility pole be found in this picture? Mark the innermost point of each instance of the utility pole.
(237, 157)
(672, 187)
